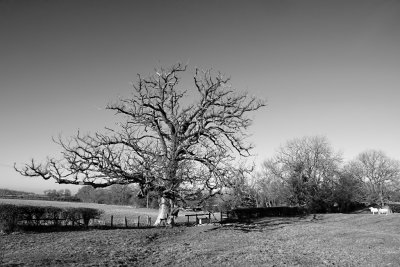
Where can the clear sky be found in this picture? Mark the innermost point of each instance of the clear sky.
(325, 67)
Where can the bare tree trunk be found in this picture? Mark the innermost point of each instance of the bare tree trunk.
(171, 217)
(381, 199)
(163, 211)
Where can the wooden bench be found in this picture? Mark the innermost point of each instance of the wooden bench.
(199, 216)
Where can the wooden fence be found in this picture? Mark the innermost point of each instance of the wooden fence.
(123, 222)
(114, 221)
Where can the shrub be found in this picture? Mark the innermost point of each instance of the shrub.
(9, 217)
(394, 207)
(87, 214)
(70, 216)
(32, 214)
(12, 216)
(245, 214)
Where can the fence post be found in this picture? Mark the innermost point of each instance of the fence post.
(138, 221)
(126, 223)
(112, 218)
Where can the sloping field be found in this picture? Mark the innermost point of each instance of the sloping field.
(321, 240)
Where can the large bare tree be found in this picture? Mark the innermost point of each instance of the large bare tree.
(378, 173)
(308, 167)
(164, 143)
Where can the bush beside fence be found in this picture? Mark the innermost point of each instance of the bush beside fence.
(13, 216)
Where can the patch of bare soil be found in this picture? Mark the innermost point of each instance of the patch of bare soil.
(321, 240)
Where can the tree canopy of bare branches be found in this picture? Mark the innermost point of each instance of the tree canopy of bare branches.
(378, 173)
(164, 144)
(307, 167)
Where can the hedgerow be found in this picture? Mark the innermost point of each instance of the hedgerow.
(394, 207)
(13, 217)
(243, 214)
(9, 216)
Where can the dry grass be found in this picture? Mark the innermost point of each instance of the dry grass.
(322, 240)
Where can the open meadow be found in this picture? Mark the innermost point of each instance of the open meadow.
(359, 239)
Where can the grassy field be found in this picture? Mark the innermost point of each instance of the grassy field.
(359, 239)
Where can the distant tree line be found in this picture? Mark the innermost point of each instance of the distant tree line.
(307, 172)
(117, 195)
(59, 195)
(50, 194)
(8, 192)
